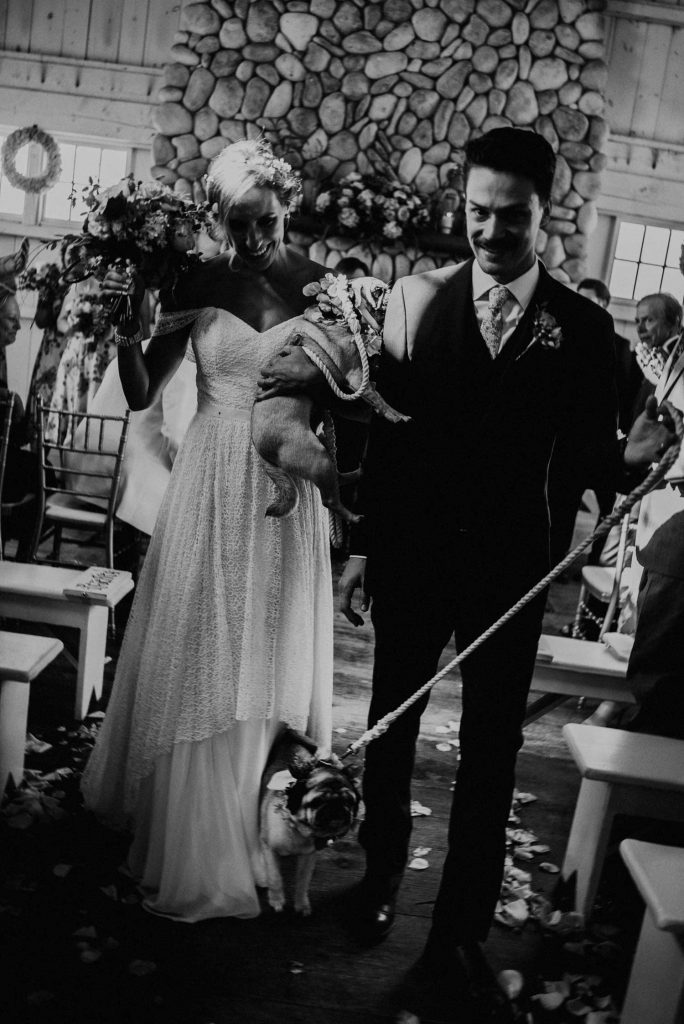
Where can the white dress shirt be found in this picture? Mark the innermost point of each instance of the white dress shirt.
(522, 290)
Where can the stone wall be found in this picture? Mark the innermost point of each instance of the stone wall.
(342, 85)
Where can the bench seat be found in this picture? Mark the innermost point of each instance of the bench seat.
(655, 992)
(22, 658)
(575, 668)
(622, 773)
(37, 593)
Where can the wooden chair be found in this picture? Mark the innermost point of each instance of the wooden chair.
(655, 992)
(602, 582)
(79, 477)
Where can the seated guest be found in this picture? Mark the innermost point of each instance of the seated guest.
(351, 267)
(658, 323)
(21, 467)
(628, 376)
(655, 673)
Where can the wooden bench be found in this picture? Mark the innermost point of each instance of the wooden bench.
(622, 773)
(37, 593)
(655, 992)
(22, 657)
(575, 668)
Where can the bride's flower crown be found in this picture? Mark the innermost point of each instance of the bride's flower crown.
(254, 161)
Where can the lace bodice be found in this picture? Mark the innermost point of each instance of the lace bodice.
(229, 354)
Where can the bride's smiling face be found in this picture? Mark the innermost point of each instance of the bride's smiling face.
(256, 227)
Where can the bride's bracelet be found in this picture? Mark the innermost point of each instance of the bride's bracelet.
(124, 341)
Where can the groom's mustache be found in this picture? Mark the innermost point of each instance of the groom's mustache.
(495, 247)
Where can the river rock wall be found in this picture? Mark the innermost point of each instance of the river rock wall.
(341, 85)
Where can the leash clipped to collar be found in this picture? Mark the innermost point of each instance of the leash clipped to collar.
(654, 477)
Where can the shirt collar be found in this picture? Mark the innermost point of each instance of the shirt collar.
(522, 288)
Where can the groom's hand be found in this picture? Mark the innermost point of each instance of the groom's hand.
(350, 580)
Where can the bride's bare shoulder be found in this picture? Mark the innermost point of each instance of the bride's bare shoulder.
(291, 272)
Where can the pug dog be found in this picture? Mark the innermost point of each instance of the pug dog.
(283, 425)
(308, 799)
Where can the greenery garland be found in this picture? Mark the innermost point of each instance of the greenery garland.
(39, 182)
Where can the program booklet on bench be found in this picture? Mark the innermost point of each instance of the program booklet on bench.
(100, 585)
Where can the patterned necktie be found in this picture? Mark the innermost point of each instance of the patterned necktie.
(491, 327)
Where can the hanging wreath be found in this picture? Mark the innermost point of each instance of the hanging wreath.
(39, 182)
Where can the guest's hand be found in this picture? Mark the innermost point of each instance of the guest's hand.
(125, 292)
(350, 580)
(652, 433)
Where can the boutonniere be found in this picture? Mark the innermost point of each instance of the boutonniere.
(545, 329)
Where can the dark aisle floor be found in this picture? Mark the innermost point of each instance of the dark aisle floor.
(78, 949)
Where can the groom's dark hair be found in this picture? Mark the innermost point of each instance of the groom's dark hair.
(517, 151)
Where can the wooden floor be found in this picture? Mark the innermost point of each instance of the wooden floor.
(274, 968)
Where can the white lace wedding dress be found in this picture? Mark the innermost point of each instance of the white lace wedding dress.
(230, 635)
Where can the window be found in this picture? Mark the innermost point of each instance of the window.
(80, 161)
(646, 261)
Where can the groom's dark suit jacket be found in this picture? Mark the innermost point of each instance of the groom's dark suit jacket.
(475, 455)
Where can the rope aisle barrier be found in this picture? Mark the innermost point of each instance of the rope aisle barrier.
(655, 475)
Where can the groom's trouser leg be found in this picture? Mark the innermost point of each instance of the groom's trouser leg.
(409, 638)
(496, 681)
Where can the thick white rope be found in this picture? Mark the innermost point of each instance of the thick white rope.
(656, 474)
(330, 442)
(332, 384)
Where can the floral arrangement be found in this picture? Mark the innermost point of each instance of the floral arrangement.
(651, 361)
(89, 316)
(46, 279)
(133, 226)
(359, 304)
(372, 208)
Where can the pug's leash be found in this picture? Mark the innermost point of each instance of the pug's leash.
(654, 477)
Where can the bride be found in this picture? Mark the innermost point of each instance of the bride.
(230, 634)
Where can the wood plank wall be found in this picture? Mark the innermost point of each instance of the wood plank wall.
(646, 84)
(135, 32)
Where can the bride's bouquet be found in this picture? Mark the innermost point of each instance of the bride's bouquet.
(135, 227)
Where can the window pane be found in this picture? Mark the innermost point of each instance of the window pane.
(622, 279)
(112, 166)
(79, 163)
(673, 282)
(87, 164)
(57, 205)
(674, 248)
(648, 280)
(629, 241)
(655, 244)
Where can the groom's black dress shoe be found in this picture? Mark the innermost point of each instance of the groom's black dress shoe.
(376, 921)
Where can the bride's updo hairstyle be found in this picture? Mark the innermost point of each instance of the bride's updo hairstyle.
(244, 165)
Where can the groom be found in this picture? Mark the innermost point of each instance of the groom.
(495, 362)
